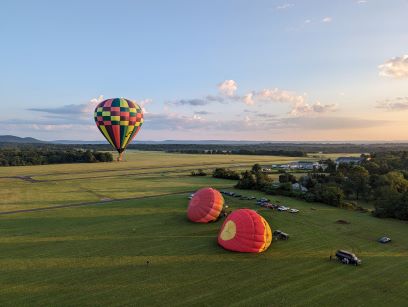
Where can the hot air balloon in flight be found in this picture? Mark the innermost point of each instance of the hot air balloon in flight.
(119, 120)
(205, 206)
(246, 231)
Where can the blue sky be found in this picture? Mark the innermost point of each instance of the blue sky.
(251, 70)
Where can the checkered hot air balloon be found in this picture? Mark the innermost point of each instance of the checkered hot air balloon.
(119, 120)
(205, 206)
(246, 231)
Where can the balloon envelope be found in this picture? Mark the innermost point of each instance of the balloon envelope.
(205, 206)
(244, 230)
(119, 120)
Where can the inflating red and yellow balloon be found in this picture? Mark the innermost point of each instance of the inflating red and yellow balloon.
(246, 231)
(119, 120)
(205, 206)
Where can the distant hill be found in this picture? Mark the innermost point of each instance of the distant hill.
(16, 139)
(76, 142)
(30, 140)
(188, 142)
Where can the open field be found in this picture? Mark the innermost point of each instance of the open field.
(143, 174)
(96, 254)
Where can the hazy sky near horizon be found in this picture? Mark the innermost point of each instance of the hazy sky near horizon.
(215, 69)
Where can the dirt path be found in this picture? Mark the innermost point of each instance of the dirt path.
(26, 178)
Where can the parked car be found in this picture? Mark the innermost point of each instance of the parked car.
(293, 210)
(280, 235)
(283, 208)
(384, 240)
(191, 196)
(347, 257)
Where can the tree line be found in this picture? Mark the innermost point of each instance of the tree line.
(28, 155)
(382, 178)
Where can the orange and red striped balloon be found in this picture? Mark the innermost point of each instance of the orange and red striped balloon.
(205, 206)
(244, 230)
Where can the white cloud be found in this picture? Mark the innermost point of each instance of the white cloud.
(191, 102)
(83, 110)
(361, 1)
(303, 108)
(90, 106)
(272, 95)
(327, 19)
(308, 21)
(228, 88)
(285, 6)
(299, 105)
(397, 104)
(143, 103)
(248, 99)
(173, 122)
(396, 68)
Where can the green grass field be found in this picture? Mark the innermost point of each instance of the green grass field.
(96, 254)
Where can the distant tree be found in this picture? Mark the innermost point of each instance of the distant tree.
(286, 177)
(225, 173)
(261, 180)
(247, 181)
(330, 194)
(199, 172)
(372, 167)
(307, 181)
(49, 154)
(331, 166)
(357, 180)
(256, 168)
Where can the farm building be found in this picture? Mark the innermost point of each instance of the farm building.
(308, 165)
(349, 160)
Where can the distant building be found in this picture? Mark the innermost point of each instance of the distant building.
(301, 165)
(308, 165)
(349, 160)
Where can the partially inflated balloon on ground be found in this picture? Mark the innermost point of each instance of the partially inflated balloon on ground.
(119, 120)
(205, 206)
(244, 230)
